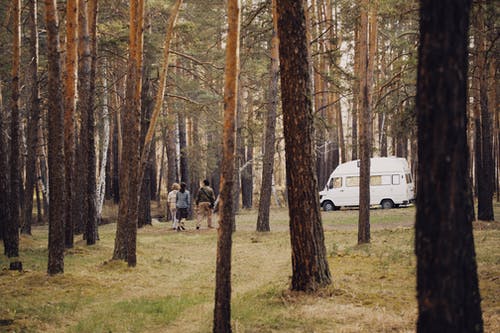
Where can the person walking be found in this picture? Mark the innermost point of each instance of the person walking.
(205, 204)
(182, 203)
(171, 204)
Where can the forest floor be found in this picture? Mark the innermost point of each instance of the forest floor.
(172, 287)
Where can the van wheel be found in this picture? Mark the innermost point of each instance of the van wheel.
(328, 206)
(387, 204)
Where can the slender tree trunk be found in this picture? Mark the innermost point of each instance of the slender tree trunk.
(355, 94)
(126, 232)
(485, 179)
(447, 283)
(309, 262)
(91, 232)
(222, 310)
(144, 216)
(70, 81)
(365, 128)
(247, 168)
(33, 119)
(101, 187)
(55, 143)
(172, 174)
(11, 237)
(4, 165)
(270, 131)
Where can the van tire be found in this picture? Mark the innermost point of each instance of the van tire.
(328, 206)
(387, 204)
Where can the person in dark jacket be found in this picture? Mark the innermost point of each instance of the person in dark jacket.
(182, 202)
(205, 204)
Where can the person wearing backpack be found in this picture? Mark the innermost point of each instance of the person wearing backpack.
(205, 204)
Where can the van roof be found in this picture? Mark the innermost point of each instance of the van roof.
(377, 165)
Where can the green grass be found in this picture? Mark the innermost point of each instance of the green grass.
(172, 287)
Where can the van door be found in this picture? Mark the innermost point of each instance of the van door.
(350, 192)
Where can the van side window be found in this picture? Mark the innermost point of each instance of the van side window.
(335, 182)
(352, 181)
(395, 179)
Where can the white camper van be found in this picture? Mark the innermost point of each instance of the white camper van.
(391, 184)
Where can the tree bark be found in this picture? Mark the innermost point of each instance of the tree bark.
(70, 80)
(485, 179)
(365, 128)
(101, 187)
(55, 143)
(447, 283)
(4, 165)
(222, 310)
(11, 236)
(33, 119)
(270, 131)
(126, 232)
(309, 262)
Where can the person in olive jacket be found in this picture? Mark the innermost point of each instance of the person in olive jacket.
(205, 204)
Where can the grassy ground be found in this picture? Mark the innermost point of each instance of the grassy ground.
(172, 287)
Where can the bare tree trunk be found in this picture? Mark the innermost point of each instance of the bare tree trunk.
(55, 143)
(270, 131)
(126, 231)
(33, 119)
(4, 165)
(101, 187)
(222, 310)
(485, 179)
(70, 81)
(365, 128)
(447, 283)
(11, 236)
(309, 262)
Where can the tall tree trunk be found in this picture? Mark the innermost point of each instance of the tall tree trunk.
(485, 179)
(33, 119)
(126, 231)
(91, 232)
(365, 128)
(447, 283)
(309, 262)
(116, 161)
(101, 187)
(70, 81)
(247, 167)
(222, 310)
(355, 94)
(144, 216)
(4, 165)
(55, 143)
(172, 174)
(11, 237)
(270, 131)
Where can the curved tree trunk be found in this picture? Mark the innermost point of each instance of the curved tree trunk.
(309, 262)
(447, 283)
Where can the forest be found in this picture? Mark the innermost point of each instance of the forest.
(106, 105)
